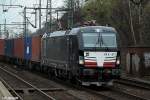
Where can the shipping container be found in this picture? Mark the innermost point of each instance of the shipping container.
(9, 47)
(19, 48)
(36, 48)
(2, 47)
(27, 48)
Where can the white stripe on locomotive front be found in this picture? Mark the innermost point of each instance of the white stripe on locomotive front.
(100, 57)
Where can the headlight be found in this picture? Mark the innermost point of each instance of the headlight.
(118, 62)
(81, 60)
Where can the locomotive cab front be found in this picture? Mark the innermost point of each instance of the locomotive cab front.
(99, 58)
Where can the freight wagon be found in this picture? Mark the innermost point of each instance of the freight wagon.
(2, 46)
(9, 49)
(2, 49)
(22, 51)
(34, 61)
(18, 51)
(28, 51)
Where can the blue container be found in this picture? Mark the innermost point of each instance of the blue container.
(9, 47)
(27, 48)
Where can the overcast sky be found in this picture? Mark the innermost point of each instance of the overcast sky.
(15, 14)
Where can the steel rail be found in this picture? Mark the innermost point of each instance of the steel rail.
(134, 83)
(127, 93)
(101, 94)
(12, 74)
(117, 90)
(6, 84)
(68, 84)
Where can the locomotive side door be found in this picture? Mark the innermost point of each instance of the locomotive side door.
(69, 50)
(72, 54)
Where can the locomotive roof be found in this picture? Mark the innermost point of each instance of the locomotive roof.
(92, 29)
(74, 31)
(54, 34)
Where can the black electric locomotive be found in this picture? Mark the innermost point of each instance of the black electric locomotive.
(88, 55)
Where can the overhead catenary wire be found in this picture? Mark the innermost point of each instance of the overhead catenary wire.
(19, 2)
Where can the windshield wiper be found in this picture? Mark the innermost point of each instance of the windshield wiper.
(100, 42)
(103, 43)
(97, 42)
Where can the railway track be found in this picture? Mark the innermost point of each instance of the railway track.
(92, 93)
(27, 84)
(69, 93)
(14, 93)
(133, 82)
(137, 89)
(108, 93)
(135, 94)
(117, 93)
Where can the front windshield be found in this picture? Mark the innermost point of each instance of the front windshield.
(99, 40)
